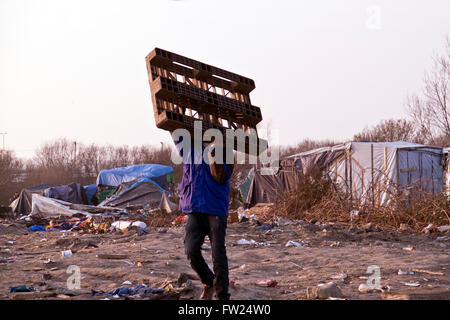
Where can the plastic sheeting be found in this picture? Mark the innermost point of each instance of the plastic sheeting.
(73, 193)
(90, 190)
(114, 177)
(47, 207)
(44, 207)
(266, 188)
(134, 193)
(23, 204)
(370, 171)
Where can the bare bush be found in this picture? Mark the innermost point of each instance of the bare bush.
(389, 130)
(331, 204)
(430, 111)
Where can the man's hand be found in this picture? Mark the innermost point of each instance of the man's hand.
(218, 171)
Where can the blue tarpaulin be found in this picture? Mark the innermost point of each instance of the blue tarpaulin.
(90, 192)
(114, 177)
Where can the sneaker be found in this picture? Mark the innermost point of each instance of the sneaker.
(207, 293)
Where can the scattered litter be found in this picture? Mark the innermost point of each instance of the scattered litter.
(162, 230)
(410, 248)
(263, 228)
(335, 244)
(142, 290)
(428, 229)
(405, 272)
(444, 238)
(126, 282)
(245, 241)
(36, 227)
(428, 272)
(443, 228)
(179, 220)
(283, 222)
(340, 276)
(242, 217)
(22, 288)
(354, 214)
(364, 288)
(128, 262)
(139, 224)
(267, 283)
(412, 284)
(66, 253)
(291, 243)
(324, 291)
(182, 284)
(120, 225)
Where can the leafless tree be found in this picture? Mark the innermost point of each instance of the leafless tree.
(430, 111)
(388, 130)
(10, 167)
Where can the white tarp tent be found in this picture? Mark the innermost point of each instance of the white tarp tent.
(371, 171)
(47, 207)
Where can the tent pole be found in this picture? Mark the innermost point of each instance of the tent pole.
(371, 164)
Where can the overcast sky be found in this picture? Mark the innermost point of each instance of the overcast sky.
(323, 69)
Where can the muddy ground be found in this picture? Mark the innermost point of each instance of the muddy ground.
(152, 258)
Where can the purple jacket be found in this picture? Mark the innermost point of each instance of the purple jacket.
(199, 192)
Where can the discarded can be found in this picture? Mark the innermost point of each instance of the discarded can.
(66, 253)
(267, 283)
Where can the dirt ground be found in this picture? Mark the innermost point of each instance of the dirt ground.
(153, 257)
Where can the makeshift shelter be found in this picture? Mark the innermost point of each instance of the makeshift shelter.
(139, 192)
(265, 188)
(447, 165)
(23, 204)
(44, 207)
(245, 186)
(90, 191)
(372, 171)
(73, 193)
(162, 175)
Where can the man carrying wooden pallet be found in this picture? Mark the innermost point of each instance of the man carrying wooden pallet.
(204, 198)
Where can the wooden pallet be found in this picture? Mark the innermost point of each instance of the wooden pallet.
(185, 90)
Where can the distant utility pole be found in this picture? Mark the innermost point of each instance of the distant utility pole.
(75, 153)
(4, 134)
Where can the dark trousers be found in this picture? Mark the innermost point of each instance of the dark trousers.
(198, 225)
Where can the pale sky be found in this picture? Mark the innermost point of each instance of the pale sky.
(323, 69)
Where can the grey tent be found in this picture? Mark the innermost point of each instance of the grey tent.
(266, 188)
(372, 171)
(139, 192)
(22, 205)
(73, 193)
